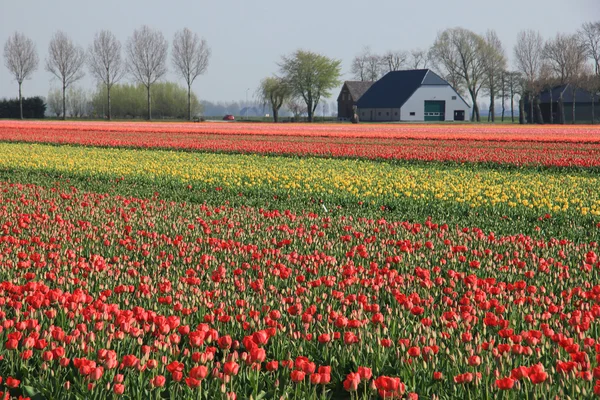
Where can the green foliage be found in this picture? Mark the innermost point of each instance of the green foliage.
(274, 91)
(169, 100)
(311, 77)
(33, 107)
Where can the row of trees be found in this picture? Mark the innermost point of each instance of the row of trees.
(146, 54)
(33, 107)
(169, 100)
(477, 64)
(369, 66)
(567, 59)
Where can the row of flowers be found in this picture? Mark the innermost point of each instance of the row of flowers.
(105, 296)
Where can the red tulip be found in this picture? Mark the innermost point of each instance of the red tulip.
(505, 383)
(351, 382)
(231, 368)
(119, 389)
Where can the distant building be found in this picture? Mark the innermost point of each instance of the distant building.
(251, 112)
(550, 100)
(349, 95)
(412, 95)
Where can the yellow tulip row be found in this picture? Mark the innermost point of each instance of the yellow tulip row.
(362, 180)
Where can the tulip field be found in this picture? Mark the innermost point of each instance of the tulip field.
(250, 261)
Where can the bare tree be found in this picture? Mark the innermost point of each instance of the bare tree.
(190, 57)
(65, 61)
(296, 107)
(54, 101)
(462, 53)
(359, 66)
(373, 67)
(579, 75)
(558, 67)
(529, 57)
(591, 85)
(419, 59)
(366, 66)
(558, 55)
(495, 64)
(393, 61)
(589, 36)
(105, 63)
(548, 80)
(147, 58)
(21, 59)
(77, 101)
(513, 82)
(504, 91)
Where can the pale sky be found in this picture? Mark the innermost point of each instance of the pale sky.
(248, 38)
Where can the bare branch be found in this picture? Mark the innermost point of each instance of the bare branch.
(21, 59)
(20, 56)
(590, 38)
(147, 58)
(105, 63)
(65, 61)
(394, 60)
(461, 53)
(190, 57)
(366, 66)
(104, 59)
(419, 59)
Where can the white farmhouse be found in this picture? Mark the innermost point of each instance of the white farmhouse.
(413, 95)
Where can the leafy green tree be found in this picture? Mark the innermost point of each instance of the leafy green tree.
(311, 76)
(274, 91)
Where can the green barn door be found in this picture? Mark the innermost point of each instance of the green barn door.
(435, 110)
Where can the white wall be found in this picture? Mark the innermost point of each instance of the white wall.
(387, 114)
(416, 103)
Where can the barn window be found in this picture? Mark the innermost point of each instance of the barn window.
(453, 97)
(412, 114)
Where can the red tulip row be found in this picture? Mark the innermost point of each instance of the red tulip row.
(108, 296)
(402, 144)
(500, 132)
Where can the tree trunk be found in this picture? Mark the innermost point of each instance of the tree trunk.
(108, 94)
(593, 105)
(538, 111)
(309, 108)
(512, 108)
(64, 102)
(475, 113)
(189, 102)
(503, 107)
(531, 109)
(149, 105)
(573, 107)
(20, 100)
(561, 110)
(521, 111)
(492, 106)
(551, 100)
(275, 114)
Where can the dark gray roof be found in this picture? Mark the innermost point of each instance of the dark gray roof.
(356, 88)
(581, 96)
(396, 87)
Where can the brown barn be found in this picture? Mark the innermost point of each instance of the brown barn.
(349, 96)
